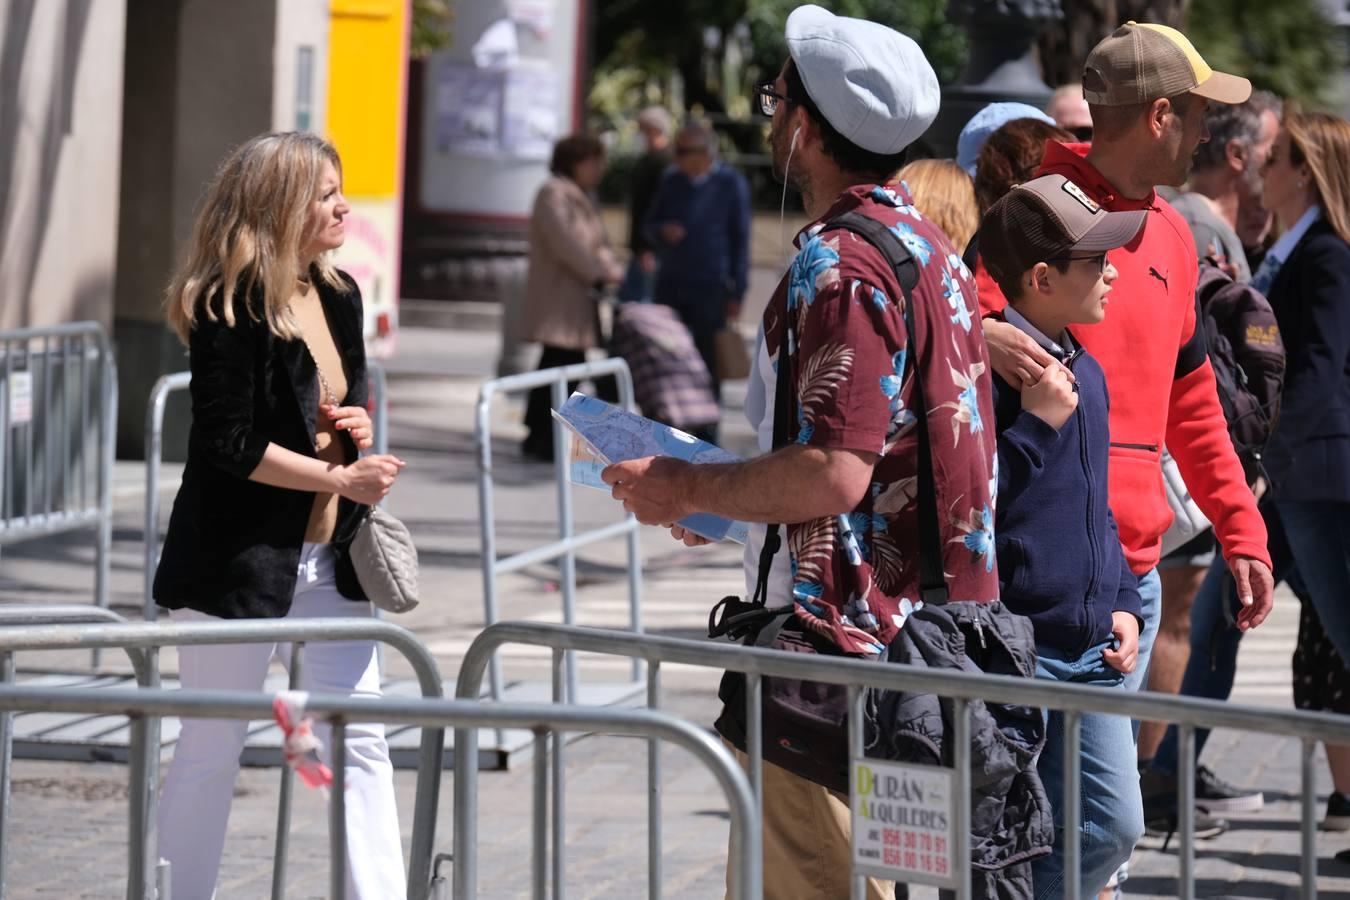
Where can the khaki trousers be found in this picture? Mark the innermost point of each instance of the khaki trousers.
(806, 840)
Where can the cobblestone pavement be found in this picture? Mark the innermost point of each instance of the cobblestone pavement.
(68, 820)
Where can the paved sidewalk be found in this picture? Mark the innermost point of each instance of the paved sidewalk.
(68, 834)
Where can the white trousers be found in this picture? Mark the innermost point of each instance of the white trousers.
(195, 806)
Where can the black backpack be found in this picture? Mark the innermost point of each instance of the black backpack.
(1243, 343)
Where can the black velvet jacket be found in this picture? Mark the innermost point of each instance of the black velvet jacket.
(233, 545)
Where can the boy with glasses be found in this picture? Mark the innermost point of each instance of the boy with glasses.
(1060, 560)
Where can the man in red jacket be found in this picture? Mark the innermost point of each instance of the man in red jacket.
(1148, 89)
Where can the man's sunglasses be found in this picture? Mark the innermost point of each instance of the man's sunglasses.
(769, 99)
(1083, 133)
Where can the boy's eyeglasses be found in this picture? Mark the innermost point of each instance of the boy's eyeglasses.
(769, 99)
(1099, 259)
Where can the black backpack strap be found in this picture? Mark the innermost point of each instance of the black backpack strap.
(932, 584)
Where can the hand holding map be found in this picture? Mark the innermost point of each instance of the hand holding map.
(603, 434)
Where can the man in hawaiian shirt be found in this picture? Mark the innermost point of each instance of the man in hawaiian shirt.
(851, 97)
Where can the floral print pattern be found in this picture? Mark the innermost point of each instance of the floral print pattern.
(855, 577)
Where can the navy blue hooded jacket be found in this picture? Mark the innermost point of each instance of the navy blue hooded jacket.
(1060, 562)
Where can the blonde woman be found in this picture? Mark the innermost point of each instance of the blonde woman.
(946, 194)
(273, 489)
(1306, 276)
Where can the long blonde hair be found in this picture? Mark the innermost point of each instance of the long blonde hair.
(255, 220)
(944, 193)
(1322, 141)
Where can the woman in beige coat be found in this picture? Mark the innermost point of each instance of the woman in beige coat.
(570, 260)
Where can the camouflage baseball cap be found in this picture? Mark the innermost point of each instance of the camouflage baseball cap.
(1140, 62)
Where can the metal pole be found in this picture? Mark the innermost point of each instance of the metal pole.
(380, 382)
(488, 535)
(108, 433)
(539, 844)
(1308, 853)
(1073, 809)
(559, 789)
(858, 883)
(1186, 808)
(634, 541)
(624, 377)
(653, 787)
(6, 763)
(567, 574)
(465, 811)
(337, 813)
(153, 731)
(48, 445)
(961, 760)
(287, 790)
(138, 887)
(154, 452)
(754, 739)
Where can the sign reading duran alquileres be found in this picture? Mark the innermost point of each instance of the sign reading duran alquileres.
(902, 822)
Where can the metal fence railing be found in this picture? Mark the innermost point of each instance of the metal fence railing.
(433, 716)
(146, 639)
(568, 543)
(154, 453)
(58, 432)
(859, 676)
(47, 615)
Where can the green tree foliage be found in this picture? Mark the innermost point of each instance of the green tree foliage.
(639, 43)
(1289, 47)
(430, 26)
(924, 20)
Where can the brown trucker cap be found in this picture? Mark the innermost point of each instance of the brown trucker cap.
(1140, 62)
(1049, 218)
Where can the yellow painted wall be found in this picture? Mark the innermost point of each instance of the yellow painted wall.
(366, 70)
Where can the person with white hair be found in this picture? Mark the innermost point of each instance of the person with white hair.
(654, 125)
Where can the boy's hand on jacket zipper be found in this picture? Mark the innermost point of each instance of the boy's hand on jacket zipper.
(1125, 629)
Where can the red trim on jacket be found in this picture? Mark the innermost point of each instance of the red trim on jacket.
(1150, 318)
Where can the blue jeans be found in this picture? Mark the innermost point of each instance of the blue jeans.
(1111, 810)
(1319, 538)
(1212, 665)
(637, 285)
(1150, 601)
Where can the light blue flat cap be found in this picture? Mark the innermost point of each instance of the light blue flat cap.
(873, 84)
(986, 122)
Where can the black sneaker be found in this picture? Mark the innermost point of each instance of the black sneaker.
(1338, 813)
(1166, 826)
(1213, 794)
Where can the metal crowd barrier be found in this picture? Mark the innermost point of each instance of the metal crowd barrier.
(1073, 700)
(568, 543)
(433, 716)
(58, 433)
(45, 615)
(149, 638)
(154, 452)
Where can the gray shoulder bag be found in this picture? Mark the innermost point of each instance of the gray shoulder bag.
(385, 560)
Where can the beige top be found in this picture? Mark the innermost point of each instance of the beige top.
(569, 253)
(307, 308)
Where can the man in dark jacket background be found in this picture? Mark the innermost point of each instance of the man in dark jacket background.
(654, 125)
(699, 224)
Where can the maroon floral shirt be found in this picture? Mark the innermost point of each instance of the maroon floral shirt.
(855, 578)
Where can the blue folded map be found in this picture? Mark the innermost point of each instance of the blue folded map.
(604, 434)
